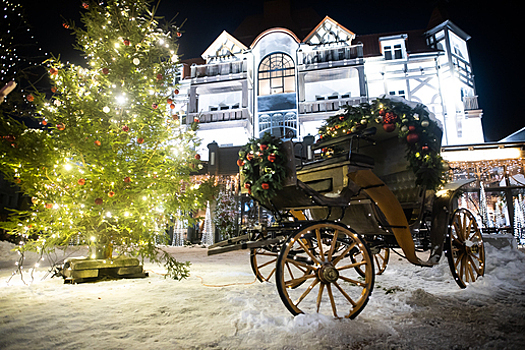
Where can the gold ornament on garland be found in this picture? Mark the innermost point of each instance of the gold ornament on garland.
(263, 166)
(416, 130)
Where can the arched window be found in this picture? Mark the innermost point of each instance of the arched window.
(276, 74)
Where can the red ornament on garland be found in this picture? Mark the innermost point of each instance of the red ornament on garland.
(60, 126)
(53, 89)
(390, 118)
(111, 193)
(85, 5)
(81, 182)
(99, 201)
(198, 156)
(169, 101)
(44, 122)
(425, 148)
(65, 25)
(272, 157)
(154, 106)
(263, 147)
(140, 140)
(30, 98)
(105, 70)
(176, 91)
(412, 138)
(179, 34)
(127, 179)
(126, 42)
(53, 71)
(381, 112)
(49, 205)
(248, 185)
(125, 128)
(411, 128)
(240, 162)
(98, 143)
(172, 106)
(159, 76)
(389, 127)
(265, 186)
(249, 156)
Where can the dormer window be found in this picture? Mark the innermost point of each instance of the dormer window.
(393, 47)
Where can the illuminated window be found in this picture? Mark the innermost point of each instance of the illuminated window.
(276, 75)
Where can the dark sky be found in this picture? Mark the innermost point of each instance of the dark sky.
(495, 28)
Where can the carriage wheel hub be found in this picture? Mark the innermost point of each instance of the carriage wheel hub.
(328, 274)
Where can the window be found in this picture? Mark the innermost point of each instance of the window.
(397, 53)
(276, 75)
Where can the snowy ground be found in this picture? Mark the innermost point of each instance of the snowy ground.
(219, 307)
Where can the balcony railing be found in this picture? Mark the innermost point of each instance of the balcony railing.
(215, 69)
(333, 54)
(222, 115)
(329, 104)
(470, 103)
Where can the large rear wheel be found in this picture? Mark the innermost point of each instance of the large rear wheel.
(263, 261)
(316, 271)
(464, 248)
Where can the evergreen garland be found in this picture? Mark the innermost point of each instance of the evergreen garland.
(263, 167)
(415, 129)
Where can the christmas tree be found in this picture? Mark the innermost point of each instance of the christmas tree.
(111, 164)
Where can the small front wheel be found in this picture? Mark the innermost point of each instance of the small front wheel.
(263, 261)
(464, 248)
(316, 271)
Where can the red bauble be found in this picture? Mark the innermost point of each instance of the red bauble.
(53, 71)
(98, 143)
(341, 117)
(248, 185)
(389, 127)
(196, 120)
(30, 98)
(263, 147)
(65, 25)
(105, 70)
(49, 205)
(240, 162)
(176, 91)
(81, 182)
(381, 112)
(53, 89)
(85, 5)
(99, 201)
(411, 128)
(265, 186)
(179, 34)
(44, 122)
(125, 128)
(60, 126)
(126, 42)
(159, 76)
(412, 138)
(272, 157)
(249, 156)
(390, 118)
(127, 179)
(111, 193)
(169, 101)
(425, 148)
(154, 106)
(140, 140)
(198, 156)
(172, 106)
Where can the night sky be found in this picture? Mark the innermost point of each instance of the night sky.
(496, 32)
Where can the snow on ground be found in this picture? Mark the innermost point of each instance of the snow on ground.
(221, 307)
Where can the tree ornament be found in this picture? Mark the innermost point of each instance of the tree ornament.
(172, 106)
(411, 128)
(240, 163)
(136, 61)
(65, 25)
(53, 89)
(364, 121)
(390, 118)
(249, 156)
(263, 147)
(389, 127)
(99, 201)
(105, 70)
(425, 148)
(179, 34)
(125, 128)
(176, 91)
(81, 182)
(265, 186)
(97, 143)
(196, 120)
(272, 157)
(126, 42)
(30, 98)
(154, 106)
(44, 122)
(85, 5)
(53, 71)
(425, 123)
(159, 76)
(382, 112)
(106, 109)
(247, 185)
(140, 140)
(169, 101)
(127, 179)
(60, 126)
(111, 193)
(412, 138)
(198, 156)
(404, 128)
(49, 205)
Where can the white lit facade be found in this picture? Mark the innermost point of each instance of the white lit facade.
(287, 86)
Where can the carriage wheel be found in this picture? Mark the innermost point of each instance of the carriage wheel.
(465, 251)
(381, 259)
(333, 286)
(263, 261)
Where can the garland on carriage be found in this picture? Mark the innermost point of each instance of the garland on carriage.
(263, 165)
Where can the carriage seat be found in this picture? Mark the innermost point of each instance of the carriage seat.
(403, 185)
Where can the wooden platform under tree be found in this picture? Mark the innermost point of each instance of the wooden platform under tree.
(81, 269)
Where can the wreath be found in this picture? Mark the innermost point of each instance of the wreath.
(415, 129)
(263, 166)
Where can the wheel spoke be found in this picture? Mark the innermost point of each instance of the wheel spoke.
(267, 263)
(349, 280)
(319, 243)
(307, 291)
(342, 255)
(345, 295)
(473, 265)
(354, 265)
(270, 275)
(268, 254)
(332, 246)
(297, 281)
(458, 259)
(319, 296)
(307, 251)
(332, 301)
(289, 270)
(301, 267)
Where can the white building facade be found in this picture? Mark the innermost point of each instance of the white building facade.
(288, 87)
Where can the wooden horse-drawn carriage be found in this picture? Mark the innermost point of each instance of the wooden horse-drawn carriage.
(338, 217)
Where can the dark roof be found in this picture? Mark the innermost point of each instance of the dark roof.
(415, 42)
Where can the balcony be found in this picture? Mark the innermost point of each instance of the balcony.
(331, 54)
(328, 104)
(218, 69)
(470, 103)
(222, 115)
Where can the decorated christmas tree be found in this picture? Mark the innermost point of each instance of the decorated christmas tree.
(111, 164)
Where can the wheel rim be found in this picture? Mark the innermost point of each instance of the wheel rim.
(263, 262)
(465, 250)
(333, 286)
